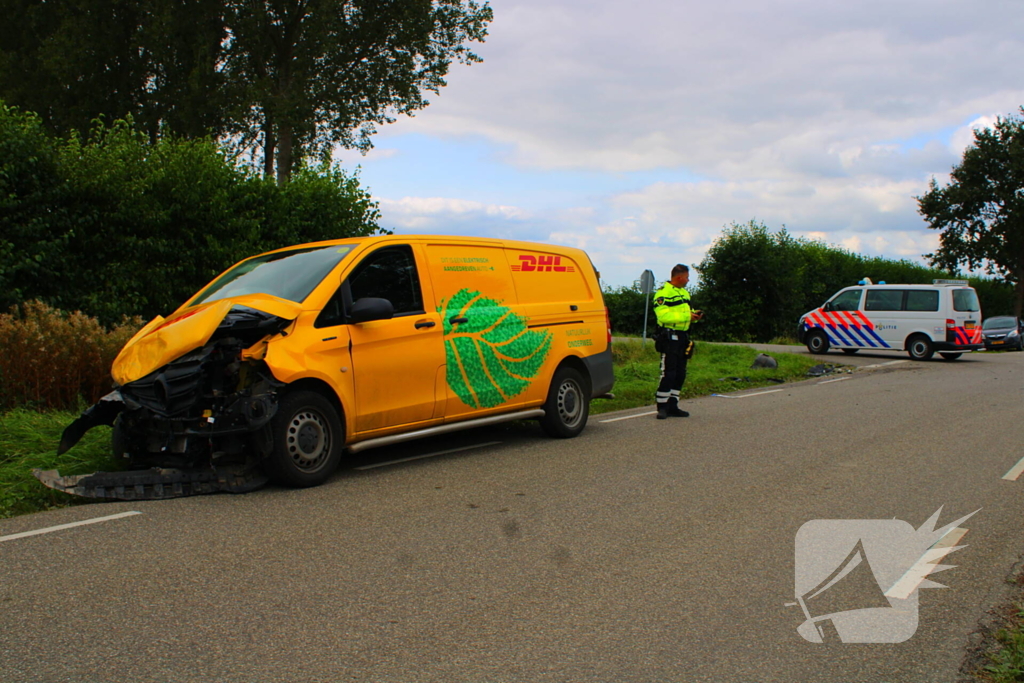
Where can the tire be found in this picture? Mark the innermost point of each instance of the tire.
(850, 352)
(308, 439)
(817, 342)
(568, 405)
(950, 356)
(919, 347)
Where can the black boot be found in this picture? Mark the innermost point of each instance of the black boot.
(674, 411)
(662, 411)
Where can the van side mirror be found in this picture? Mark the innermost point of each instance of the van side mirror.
(827, 306)
(370, 308)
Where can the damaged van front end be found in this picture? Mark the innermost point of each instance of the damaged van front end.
(193, 395)
(195, 424)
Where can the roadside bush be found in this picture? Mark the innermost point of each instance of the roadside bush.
(755, 284)
(54, 360)
(626, 311)
(116, 225)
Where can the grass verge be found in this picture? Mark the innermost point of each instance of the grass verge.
(714, 368)
(29, 439)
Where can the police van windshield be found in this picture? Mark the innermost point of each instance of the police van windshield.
(290, 275)
(965, 300)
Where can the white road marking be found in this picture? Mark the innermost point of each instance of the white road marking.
(428, 455)
(840, 379)
(925, 564)
(60, 527)
(759, 393)
(1015, 471)
(629, 417)
(880, 365)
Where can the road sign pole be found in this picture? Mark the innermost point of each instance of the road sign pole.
(646, 287)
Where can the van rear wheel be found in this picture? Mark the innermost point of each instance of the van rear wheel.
(920, 348)
(950, 356)
(568, 405)
(817, 342)
(308, 438)
(850, 352)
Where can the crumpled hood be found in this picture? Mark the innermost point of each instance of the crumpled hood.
(163, 340)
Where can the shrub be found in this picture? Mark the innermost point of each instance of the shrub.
(116, 225)
(755, 284)
(626, 311)
(54, 360)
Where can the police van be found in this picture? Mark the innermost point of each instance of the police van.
(944, 316)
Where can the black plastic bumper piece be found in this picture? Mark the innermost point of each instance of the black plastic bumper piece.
(156, 483)
(602, 372)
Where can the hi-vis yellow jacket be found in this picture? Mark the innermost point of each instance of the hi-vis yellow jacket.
(672, 306)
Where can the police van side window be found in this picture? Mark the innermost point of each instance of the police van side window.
(847, 301)
(884, 300)
(922, 300)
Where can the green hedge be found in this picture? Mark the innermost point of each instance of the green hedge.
(755, 284)
(116, 225)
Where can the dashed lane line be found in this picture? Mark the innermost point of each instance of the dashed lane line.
(1015, 471)
(881, 365)
(61, 527)
(759, 393)
(839, 379)
(629, 417)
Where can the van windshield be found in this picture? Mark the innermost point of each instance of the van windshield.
(965, 300)
(290, 275)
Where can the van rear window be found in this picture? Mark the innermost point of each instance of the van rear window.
(965, 300)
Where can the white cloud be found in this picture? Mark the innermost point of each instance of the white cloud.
(826, 117)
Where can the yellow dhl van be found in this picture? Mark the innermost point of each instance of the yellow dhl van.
(292, 357)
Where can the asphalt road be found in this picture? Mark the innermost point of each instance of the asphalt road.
(643, 550)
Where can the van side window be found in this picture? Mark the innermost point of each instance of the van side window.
(884, 300)
(847, 301)
(922, 300)
(389, 273)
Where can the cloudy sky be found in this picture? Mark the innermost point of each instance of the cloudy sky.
(639, 130)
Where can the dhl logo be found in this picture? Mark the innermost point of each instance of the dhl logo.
(531, 264)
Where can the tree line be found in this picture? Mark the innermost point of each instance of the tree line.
(115, 225)
(755, 284)
(282, 80)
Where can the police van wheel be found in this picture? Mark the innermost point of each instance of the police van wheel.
(920, 348)
(568, 405)
(850, 352)
(308, 438)
(950, 356)
(817, 342)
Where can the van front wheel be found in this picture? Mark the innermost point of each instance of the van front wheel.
(920, 348)
(308, 438)
(568, 404)
(817, 342)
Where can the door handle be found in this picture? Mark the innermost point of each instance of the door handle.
(456, 321)
(424, 323)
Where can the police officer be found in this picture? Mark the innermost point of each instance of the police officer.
(672, 307)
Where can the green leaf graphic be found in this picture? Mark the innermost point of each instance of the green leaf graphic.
(491, 357)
